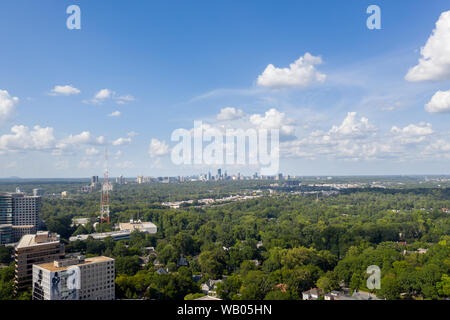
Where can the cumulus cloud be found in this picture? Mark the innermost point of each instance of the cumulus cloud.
(92, 151)
(132, 134)
(84, 137)
(124, 99)
(273, 119)
(435, 61)
(230, 114)
(7, 105)
(353, 127)
(121, 141)
(66, 90)
(158, 148)
(439, 103)
(22, 138)
(114, 114)
(108, 94)
(438, 149)
(354, 139)
(103, 94)
(301, 73)
(412, 133)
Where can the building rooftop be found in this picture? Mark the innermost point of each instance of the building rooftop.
(207, 298)
(40, 238)
(53, 267)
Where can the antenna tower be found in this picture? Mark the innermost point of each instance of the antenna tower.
(106, 187)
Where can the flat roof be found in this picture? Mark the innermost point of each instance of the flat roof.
(50, 266)
(28, 240)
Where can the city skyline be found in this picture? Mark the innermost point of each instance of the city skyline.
(346, 100)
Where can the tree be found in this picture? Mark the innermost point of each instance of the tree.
(212, 263)
(168, 254)
(444, 286)
(127, 265)
(278, 295)
(390, 288)
(229, 287)
(61, 225)
(5, 254)
(328, 282)
(256, 285)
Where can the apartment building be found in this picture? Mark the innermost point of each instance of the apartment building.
(35, 249)
(75, 279)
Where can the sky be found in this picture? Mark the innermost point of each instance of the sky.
(345, 99)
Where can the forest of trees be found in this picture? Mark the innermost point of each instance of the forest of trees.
(273, 247)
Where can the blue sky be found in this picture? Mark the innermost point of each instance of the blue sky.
(166, 64)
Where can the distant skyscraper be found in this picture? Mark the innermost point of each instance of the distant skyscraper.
(219, 173)
(94, 180)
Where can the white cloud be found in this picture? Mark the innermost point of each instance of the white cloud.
(124, 99)
(22, 138)
(114, 114)
(412, 133)
(354, 139)
(107, 94)
(84, 137)
(353, 127)
(7, 105)
(230, 114)
(103, 94)
(273, 119)
(121, 141)
(439, 103)
(158, 148)
(301, 73)
(132, 134)
(435, 61)
(66, 90)
(92, 151)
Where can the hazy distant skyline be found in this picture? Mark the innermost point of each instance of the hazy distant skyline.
(347, 100)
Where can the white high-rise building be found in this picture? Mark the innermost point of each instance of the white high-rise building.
(75, 279)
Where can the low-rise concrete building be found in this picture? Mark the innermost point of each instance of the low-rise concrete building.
(75, 279)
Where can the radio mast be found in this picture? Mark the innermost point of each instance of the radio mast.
(106, 187)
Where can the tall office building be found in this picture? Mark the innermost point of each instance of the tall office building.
(75, 279)
(35, 249)
(6, 208)
(6, 233)
(21, 211)
(94, 180)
